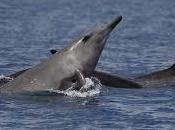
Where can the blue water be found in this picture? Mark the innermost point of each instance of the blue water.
(142, 43)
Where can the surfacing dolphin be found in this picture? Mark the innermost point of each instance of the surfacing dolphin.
(69, 66)
(160, 78)
(105, 78)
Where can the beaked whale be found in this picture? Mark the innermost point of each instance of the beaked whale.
(69, 66)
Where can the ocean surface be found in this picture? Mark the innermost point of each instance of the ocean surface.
(142, 43)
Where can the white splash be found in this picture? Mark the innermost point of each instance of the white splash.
(91, 88)
(3, 77)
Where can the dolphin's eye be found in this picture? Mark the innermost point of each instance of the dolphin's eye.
(86, 38)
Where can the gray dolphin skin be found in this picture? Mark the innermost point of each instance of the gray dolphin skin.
(115, 81)
(69, 66)
(160, 78)
(105, 79)
(155, 79)
(109, 79)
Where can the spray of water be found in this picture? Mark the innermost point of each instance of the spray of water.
(91, 88)
(4, 79)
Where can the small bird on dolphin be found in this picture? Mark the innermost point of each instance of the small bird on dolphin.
(65, 68)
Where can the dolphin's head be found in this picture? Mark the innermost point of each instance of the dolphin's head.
(88, 48)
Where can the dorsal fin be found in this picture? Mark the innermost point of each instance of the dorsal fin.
(173, 66)
(53, 51)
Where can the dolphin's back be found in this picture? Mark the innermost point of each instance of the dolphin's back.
(158, 78)
(115, 81)
(37, 78)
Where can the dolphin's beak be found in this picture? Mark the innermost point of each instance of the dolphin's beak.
(113, 24)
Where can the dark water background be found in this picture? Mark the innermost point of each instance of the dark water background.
(142, 43)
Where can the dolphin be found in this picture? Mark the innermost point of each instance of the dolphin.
(106, 78)
(160, 78)
(69, 66)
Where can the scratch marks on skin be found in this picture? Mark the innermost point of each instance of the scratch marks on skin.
(74, 46)
(36, 83)
(33, 81)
